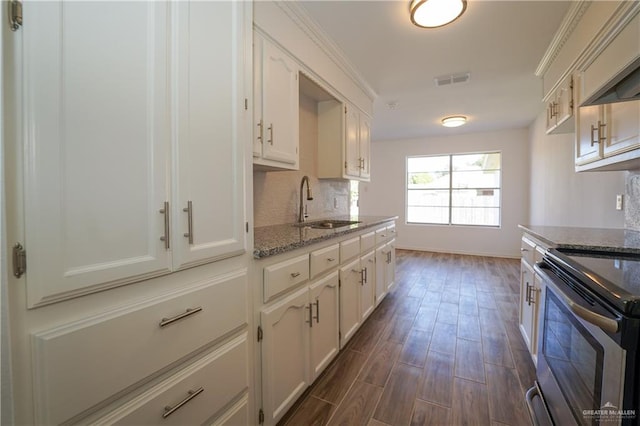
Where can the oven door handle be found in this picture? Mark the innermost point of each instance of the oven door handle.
(609, 325)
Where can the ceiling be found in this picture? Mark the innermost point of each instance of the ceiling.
(500, 43)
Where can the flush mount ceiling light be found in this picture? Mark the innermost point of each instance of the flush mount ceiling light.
(436, 13)
(454, 121)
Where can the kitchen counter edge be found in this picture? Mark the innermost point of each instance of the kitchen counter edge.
(593, 239)
(278, 239)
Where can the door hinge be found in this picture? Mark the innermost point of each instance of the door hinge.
(15, 14)
(339, 335)
(246, 225)
(246, 104)
(260, 334)
(260, 416)
(345, 109)
(19, 260)
(345, 165)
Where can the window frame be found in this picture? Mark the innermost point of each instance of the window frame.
(451, 190)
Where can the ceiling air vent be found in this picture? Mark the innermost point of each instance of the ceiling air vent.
(446, 80)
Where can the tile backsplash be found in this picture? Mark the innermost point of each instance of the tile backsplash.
(632, 202)
(276, 194)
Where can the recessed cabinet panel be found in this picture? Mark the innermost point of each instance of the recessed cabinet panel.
(623, 119)
(367, 284)
(96, 144)
(203, 388)
(208, 216)
(285, 353)
(350, 283)
(134, 341)
(325, 314)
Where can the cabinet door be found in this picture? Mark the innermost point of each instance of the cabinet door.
(381, 274)
(96, 144)
(258, 124)
(391, 265)
(526, 306)
(208, 215)
(622, 127)
(279, 105)
(564, 101)
(350, 277)
(325, 342)
(285, 353)
(587, 147)
(365, 146)
(367, 285)
(351, 142)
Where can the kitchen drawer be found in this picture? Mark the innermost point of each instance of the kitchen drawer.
(349, 248)
(367, 241)
(285, 275)
(235, 416)
(324, 259)
(527, 249)
(194, 394)
(83, 363)
(382, 236)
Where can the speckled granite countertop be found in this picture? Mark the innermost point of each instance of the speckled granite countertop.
(612, 240)
(276, 239)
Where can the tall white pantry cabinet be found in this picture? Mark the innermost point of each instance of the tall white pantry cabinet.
(127, 127)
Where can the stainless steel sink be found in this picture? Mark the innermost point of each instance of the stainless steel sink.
(326, 224)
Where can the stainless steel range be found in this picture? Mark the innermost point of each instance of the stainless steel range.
(588, 369)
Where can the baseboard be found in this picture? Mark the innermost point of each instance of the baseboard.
(467, 253)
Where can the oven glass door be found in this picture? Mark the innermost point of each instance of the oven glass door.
(574, 356)
(580, 367)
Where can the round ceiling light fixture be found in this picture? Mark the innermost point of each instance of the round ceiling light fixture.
(436, 13)
(454, 121)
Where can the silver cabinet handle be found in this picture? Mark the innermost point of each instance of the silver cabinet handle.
(270, 128)
(189, 210)
(366, 275)
(330, 259)
(295, 274)
(192, 394)
(165, 237)
(522, 249)
(317, 310)
(528, 294)
(310, 307)
(166, 321)
(261, 127)
(600, 127)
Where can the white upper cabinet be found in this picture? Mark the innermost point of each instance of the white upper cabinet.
(208, 216)
(130, 111)
(560, 108)
(96, 135)
(344, 142)
(276, 104)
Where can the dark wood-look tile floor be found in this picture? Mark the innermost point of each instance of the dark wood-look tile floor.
(443, 348)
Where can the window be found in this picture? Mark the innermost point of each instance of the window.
(456, 189)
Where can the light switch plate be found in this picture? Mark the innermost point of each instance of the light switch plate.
(619, 202)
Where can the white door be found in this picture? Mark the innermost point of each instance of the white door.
(352, 142)
(589, 129)
(623, 127)
(367, 285)
(390, 247)
(381, 274)
(325, 342)
(95, 139)
(365, 146)
(285, 353)
(350, 277)
(208, 215)
(280, 105)
(526, 308)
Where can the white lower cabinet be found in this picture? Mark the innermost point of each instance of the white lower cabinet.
(310, 303)
(385, 269)
(300, 338)
(325, 342)
(350, 282)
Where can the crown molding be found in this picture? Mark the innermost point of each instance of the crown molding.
(302, 19)
(568, 24)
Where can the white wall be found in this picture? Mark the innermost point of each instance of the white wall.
(385, 194)
(561, 197)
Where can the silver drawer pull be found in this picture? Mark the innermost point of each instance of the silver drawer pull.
(330, 259)
(295, 274)
(192, 394)
(187, 313)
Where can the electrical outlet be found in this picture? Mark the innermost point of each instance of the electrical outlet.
(619, 202)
